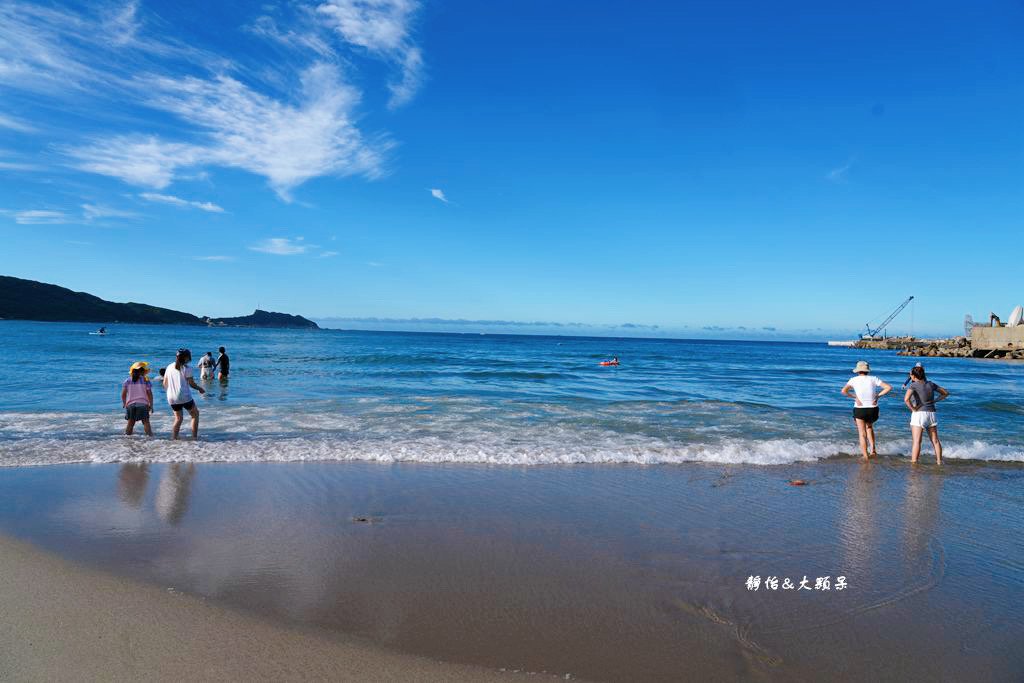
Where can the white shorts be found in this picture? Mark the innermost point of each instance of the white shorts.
(923, 419)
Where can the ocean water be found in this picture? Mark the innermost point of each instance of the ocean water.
(494, 399)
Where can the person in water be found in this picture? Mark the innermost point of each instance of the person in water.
(223, 362)
(920, 399)
(103, 330)
(865, 388)
(177, 380)
(206, 365)
(137, 398)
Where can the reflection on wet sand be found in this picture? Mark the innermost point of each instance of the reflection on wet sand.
(131, 483)
(920, 519)
(173, 492)
(860, 528)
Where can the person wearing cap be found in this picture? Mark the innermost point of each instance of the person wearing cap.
(137, 398)
(867, 389)
(177, 380)
(920, 399)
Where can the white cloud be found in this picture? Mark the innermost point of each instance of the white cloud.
(123, 25)
(438, 194)
(382, 28)
(18, 166)
(327, 254)
(374, 264)
(214, 258)
(41, 217)
(289, 127)
(838, 175)
(281, 246)
(14, 124)
(137, 159)
(241, 128)
(92, 211)
(178, 201)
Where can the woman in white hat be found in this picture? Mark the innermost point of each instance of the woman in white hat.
(867, 389)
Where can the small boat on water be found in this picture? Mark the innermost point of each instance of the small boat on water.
(847, 344)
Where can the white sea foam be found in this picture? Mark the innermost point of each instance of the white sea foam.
(259, 434)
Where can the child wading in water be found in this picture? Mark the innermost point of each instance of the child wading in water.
(137, 398)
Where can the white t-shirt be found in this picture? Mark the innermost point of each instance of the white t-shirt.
(177, 384)
(866, 389)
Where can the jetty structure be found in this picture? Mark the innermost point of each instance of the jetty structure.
(994, 339)
(876, 333)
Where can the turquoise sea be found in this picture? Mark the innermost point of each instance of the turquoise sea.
(499, 399)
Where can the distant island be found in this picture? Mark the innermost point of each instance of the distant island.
(266, 319)
(30, 300)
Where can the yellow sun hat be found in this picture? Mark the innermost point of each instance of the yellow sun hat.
(141, 365)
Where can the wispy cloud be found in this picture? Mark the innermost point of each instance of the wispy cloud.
(14, 124)
(438, 194)
(18, 166)
(838, 174)
(281, 246)
(40, 217)
(122, 25)
(183, 203)
(300, 124)
(492, 323)
(214, 258)
(327, 254)
(91, 212)
(384, 29)
(239, 127)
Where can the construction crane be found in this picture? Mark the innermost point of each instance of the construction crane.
(873, 333)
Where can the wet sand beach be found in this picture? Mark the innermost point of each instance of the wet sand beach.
(63, 622)
(617, 573)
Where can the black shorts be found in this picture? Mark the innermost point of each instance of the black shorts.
(869, 415)
(177, 407)
(136, 412)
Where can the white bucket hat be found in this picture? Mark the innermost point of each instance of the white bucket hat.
(862, 366)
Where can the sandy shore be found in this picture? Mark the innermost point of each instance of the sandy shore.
(330, 570)
(62, 622)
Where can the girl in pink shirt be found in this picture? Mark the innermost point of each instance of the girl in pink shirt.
(137, 398)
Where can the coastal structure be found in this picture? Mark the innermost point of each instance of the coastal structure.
(982, 341)
(991, 342)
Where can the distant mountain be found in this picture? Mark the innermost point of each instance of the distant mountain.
(267, 319)
(31, 300)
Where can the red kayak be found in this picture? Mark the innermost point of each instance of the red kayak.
(609, 362)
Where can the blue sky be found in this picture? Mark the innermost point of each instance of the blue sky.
(691, 169)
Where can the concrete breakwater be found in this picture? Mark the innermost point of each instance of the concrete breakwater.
(984, 342)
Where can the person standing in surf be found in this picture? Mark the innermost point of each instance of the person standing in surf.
(137, 398)
(920, 399)
(206, 364)
(177, 380)
(224, 363)
(867, 389)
